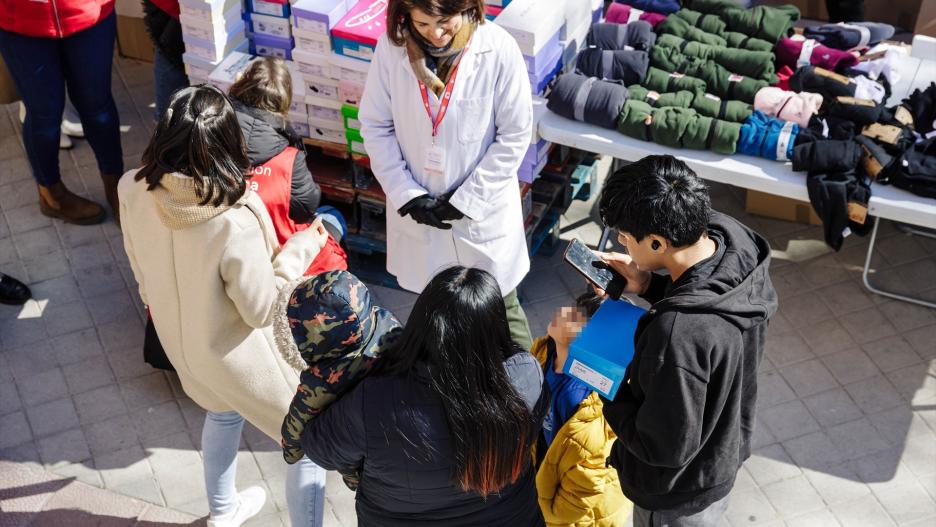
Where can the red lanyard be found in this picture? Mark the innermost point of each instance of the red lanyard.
(446, 96)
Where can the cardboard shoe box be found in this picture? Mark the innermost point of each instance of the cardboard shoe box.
(780, 208)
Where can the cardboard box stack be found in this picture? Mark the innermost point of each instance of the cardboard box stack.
(270, 30)
(211, 30)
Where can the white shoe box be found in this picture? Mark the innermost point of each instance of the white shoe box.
(532, 25)
(312, 42)
(207, 10)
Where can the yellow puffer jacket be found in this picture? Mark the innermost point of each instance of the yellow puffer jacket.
(575, 486)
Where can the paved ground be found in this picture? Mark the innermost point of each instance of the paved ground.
(847, 427)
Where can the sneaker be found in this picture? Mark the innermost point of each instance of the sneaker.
(72, 129)
(65, 142)
(251, 501)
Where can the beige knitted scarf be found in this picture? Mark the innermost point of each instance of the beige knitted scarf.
(179, 205)
(417, 48)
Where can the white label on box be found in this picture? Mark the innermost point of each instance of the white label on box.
(328, 114)
(270, 51)
(197, 32)
(363, 53)
(205, 53)
(600, 382)
(313, 69)
(312, 45)
(267, 8)
(278, 27)
(312, 25)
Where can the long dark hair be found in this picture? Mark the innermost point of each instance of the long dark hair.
(458, 327)
(199, 136)
(398, 13)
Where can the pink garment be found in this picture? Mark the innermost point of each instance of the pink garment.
(784, 74)
(620, 14)
(789, 50)
(787, 105)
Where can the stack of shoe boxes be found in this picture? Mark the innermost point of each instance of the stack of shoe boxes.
(211, 30)
(270, 30)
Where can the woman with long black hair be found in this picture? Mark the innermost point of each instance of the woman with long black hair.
(442, 432)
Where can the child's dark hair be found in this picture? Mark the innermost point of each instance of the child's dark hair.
(656, 195)
(265, 84)
(588, 302)
(199, 136)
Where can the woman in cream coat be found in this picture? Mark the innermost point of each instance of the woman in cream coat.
(204, 253)
(452, 196)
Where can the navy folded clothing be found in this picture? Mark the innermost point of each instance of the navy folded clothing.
(851, 35)
(637, 35)
(587, 99)
(629, 66)
(665, 7)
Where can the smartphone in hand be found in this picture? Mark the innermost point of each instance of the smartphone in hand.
(586, 262)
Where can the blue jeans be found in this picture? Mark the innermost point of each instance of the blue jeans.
(168, 79)
(305, 481)
(41, 68)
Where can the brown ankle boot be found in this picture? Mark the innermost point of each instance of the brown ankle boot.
(110, 192)
(56, 201)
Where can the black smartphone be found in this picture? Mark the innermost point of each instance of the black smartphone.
(583, 260)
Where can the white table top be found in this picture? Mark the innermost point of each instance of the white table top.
(749, 172)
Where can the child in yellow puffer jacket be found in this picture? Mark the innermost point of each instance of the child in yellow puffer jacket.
(574, 484)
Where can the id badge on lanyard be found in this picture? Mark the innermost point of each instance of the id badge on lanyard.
(434, 164)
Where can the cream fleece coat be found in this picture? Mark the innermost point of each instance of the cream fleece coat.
(211, 276)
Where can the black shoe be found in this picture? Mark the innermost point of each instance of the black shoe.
(12, 291)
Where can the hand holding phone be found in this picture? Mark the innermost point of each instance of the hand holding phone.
(585, 261)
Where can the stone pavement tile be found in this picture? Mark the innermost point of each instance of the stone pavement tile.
(821, 518)
(891, 353)
(14, 430)
(25, 454)
(750, 508)
(21, 333)
(61, 289)
(857, 439)
(91, 374)
(127, 364)
(11, 147)
(832, 407)
(96, 405)
(900, 249)
(154, 516)
(125, 332)
(929, 483)
(123, 466)
(144, 489)
(866, 512)
(27, 218)
(172, 452)
(95, 503)
(113, 434)
(762, 435)
(786, 349)
(874, 395)
(158, 421)
(922, 340)
(788, 282)
(779, 325)
(815, 451)
(825, 337)
(845, 297)
(744, 481)
(906, 316)
(183, 486)
(788, 420)
(51, 417)
(42, 388)
(543, 285)
(47, 266)
(899, 424)
(79, 235)
(917, 383)
(919, 455)
(9, 397)
(837, 484)
(31, 359)
(98, 280)
(15, 171)
(771, 464)
(806, 308)
(83, 472)
(793, 496)
(883, 470)
(7, 250)
(25, 490)
(808, 378)
(77, 347)
(867, 326)
(15, 195)
(110, 307)
(90, 255)
(193, 414)
(146, 391)
(772, 389)
(907, 503)
(850, 366)
(37, 242)
(248, 472)
(917, 276)
(63, 448)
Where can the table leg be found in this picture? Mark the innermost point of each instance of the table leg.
(877, 290)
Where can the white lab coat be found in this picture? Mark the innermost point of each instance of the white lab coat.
(484, 134)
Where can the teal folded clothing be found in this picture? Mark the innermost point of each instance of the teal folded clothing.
(663, 81)
(705, 104)
(678, 128)
(718, 79)
(767, 137)
(755, 64)
(767, 23)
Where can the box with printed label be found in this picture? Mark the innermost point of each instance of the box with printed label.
(319, 15)
(349, 69)
(350, 92)
(229, 70)
(599, 356)
(267, 46)
(335, 125)
(321, 87)
(207, 10)
(300, 127)
(328, 135)
(211, 29)
(325, 113)
(279, 8)
(357, 32)
(312, 42)
(314, 64)
(530, 24)
(214, 51)
(270, 25)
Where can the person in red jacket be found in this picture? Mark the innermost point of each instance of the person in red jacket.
(47, 45)
(279, 173)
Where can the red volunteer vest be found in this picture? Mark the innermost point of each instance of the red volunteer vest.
(272, 181)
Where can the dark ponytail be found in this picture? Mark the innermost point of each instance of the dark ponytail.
(199, 136)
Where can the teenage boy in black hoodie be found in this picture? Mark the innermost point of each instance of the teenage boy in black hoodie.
(685, 419)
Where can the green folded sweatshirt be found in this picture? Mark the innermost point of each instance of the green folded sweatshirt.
(696, 26)
(705, 104)
(718, 79)
(663, 81)
(767, 23)
(756, 64)
(678, 128)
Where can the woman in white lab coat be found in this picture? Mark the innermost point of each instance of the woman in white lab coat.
(450, 179)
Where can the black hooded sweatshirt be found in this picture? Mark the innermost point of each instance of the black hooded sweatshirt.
(267, 134)
(685, 418)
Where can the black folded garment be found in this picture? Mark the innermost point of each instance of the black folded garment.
(922, 105)
(822, 128)
(638, 35)
(629, 66)
(854, 35)
(587, 99)
(875, 161)
(841, 201)
(860, 111)
(826, 156)
(915, 169)
(822, 81)
(894, 139)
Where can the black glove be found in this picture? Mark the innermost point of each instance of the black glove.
(446, 211)
(422, 210)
